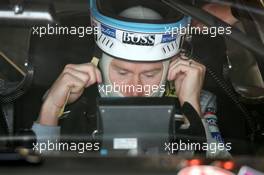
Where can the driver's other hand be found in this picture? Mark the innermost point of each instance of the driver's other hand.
(188, 77)
(74, 79)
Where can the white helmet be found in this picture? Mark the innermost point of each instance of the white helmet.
(137, 36)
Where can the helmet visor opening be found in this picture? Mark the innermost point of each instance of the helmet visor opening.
(112, 8)
(132, 60)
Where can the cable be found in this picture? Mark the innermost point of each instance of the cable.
(229, 91)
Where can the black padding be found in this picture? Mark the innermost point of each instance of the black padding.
(196, 126)
(50, 53)
(3, 124)
(212, 51)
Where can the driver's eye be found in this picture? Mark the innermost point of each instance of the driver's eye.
(122, 72)
(149, 75)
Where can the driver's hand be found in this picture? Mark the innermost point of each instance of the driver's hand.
(188, 77)
(70, 84)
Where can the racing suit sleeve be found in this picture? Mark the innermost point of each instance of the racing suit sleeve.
(45, 133)
(218, 148)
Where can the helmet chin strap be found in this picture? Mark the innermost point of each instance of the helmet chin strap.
(105, 62)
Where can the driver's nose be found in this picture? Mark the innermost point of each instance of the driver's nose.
(138, 90)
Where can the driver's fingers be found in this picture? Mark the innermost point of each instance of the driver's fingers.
(81, 67)
(98, 75)
(88, 68)
(190, 63)
(81, 75)
(182, 68)
(185, 62)
(72, 82)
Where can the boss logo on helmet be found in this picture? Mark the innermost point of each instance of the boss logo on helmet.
(138, 39)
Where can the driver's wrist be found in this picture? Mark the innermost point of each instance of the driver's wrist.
(49, 114)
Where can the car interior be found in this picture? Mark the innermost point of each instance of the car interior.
(235, 67)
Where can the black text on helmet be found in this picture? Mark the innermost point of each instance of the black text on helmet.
(138, 39)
